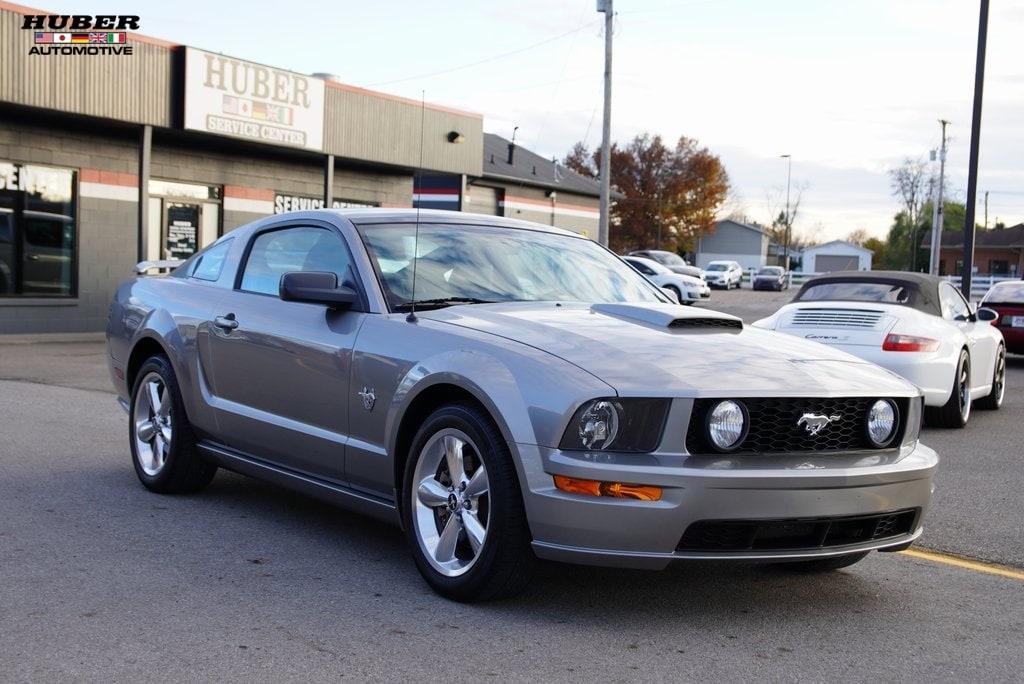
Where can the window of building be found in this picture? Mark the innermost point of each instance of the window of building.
(302, 248)
(999, 267)
(38, 237)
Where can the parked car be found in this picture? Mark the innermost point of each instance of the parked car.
(508, 391)
(726, 274)
(670, 260)
(916, 325)
(771, 278)
(686, 289)
(1007, 300)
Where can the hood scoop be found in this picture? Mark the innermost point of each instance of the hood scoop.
(670, 316)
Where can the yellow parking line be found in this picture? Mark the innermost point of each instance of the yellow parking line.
(965, 563)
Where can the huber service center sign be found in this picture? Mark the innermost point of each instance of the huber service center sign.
(228, 96)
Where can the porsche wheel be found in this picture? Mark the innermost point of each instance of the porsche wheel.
(994, 399)
(955, 412)
(463, 511)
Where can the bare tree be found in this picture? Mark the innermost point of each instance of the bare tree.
(911, 185)
(858, 236)
(782, 217)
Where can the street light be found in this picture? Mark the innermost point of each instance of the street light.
(789, 176)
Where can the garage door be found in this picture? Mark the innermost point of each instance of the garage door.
(483, 200)
(826, 263)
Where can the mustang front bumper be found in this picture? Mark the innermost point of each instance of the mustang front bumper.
(803, 506)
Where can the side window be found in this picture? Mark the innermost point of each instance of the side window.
(643, 268)
(277, 252)
(210, 263)
(953, 305)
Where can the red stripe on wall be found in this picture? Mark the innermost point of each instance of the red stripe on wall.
(109, 177)
(242, 192)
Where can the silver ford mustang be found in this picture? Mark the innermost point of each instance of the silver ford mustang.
(507, 391)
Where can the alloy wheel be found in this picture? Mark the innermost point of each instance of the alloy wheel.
(964, 389)
(450, 502)
(1000, 377)
(153, 430)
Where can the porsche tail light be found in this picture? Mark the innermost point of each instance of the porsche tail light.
(909, 343)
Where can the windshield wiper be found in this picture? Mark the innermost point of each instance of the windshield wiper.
(440, 303)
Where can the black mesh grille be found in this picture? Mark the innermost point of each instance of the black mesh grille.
(706, 323)
(774, 427)
(794, 534)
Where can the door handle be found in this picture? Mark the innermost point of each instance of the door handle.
(226, 322)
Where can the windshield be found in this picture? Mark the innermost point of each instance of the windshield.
(667, 258)
(717, 267)
(1005, 293)
(770, 271)
(890, 293)
(496, 264)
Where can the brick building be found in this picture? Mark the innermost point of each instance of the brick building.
(997, 251)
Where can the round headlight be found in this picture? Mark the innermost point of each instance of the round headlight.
(599, 425)
(882, 421)
(727, 425)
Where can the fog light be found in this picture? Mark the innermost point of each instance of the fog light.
(617, 490)
(882, 420)
(727, 425)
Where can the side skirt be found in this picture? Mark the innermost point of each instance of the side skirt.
(330, 492)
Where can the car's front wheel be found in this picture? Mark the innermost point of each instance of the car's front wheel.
(462, 509)
(162, 442)
(994, 399)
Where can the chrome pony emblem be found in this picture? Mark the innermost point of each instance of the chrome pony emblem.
(816, 422)
(368, 398)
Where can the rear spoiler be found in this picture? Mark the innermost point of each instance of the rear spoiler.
(143, 267)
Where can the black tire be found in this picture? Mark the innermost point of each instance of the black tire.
(678, 294)
(994, 399)
(826, 564)
(505, 562)
(183, 471)
(955, 413)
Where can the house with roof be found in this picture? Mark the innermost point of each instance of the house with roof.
(997, 251)
(838, 255)
(733, 240)
(517, 183)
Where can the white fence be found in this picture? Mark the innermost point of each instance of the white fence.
(980, 284)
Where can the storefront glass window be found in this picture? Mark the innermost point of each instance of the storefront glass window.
(37, 231)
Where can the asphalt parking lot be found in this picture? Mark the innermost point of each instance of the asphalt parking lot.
(102, 580)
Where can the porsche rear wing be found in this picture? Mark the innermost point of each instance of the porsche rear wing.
(143, 267)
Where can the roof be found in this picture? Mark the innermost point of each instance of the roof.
(925, 284)
(748, 226)
(532, 169)
(434, 216)
(1006, 238)
(817, 248)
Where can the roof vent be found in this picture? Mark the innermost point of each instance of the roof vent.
(511, 152)
(324, 76)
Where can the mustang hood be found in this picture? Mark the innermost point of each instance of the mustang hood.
(668, 350)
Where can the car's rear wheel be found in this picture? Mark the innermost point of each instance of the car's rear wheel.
(955, 412)
(162, 442)
(994, 399)
(462, 509)
(826, 564)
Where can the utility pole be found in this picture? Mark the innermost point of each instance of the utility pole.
(606, 127)
(986, 210)
(972, 164)
(789, 177)
(933, 259)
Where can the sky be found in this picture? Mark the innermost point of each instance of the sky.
(849, 88)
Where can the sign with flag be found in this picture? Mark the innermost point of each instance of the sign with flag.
(92, 37)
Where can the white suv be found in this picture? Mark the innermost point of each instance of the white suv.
(727, 274)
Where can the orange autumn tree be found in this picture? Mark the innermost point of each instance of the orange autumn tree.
(672, 191)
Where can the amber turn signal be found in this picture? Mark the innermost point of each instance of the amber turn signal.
(618, 490)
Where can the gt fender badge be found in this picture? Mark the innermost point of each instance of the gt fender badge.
(816, 422)
(368, 398)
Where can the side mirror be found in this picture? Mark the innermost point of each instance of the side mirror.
(671, 294)
(987, 315)
(316, 287)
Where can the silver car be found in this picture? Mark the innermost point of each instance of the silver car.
(505, 392)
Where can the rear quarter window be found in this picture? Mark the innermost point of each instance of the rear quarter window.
(210, 264)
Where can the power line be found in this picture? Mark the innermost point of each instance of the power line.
(487, 59)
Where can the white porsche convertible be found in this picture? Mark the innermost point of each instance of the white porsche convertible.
(916, 325)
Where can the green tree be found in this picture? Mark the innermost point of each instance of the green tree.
(904, 237)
